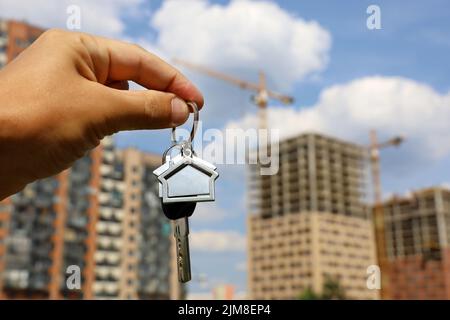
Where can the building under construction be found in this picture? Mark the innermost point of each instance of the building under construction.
(309, 222)
(417, 238)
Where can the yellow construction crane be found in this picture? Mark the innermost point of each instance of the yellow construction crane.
(378, 215)
(262, 96)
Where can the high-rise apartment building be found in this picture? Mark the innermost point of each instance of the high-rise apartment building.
(15, 36)
(3, 42)
(102, 217)
(309, 222)
(5, 215)
(417, 237)
(147, 231)
(31, 243)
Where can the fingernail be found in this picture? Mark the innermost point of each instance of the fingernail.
(180, 111)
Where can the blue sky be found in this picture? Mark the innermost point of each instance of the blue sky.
(346, 80)
(414, 43)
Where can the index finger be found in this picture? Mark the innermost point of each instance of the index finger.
(131, 62)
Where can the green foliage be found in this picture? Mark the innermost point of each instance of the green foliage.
(331, 290)
(308, 294)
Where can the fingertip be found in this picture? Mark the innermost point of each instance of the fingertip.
(186, 90)
(180, 111)
(198, 97)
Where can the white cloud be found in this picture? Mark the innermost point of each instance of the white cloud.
(217, 241)
(244, 35)
(100, 17)
(208, 212)
(392, 105)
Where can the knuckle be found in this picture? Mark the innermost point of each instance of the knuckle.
(87, 38)
(149, 106)
(53, 34)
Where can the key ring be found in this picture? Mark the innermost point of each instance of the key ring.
(185, 146)
(194, 107)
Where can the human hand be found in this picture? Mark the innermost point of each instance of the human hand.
(68, 90)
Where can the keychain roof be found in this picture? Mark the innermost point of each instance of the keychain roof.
(186, 177)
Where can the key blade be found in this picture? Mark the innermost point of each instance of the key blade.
(182, 245)
(181, 227)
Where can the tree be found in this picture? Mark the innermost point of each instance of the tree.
(331, 290)
(308, 294)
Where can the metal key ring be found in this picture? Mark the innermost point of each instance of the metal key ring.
(194, 107)
(168, 150)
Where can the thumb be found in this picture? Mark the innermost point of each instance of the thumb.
(147, 109)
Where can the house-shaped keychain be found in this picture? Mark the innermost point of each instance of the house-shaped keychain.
(186, 178)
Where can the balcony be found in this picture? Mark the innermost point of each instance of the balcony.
(106, 170)
(107, 185)
(108, 288)
(107, 272)
(109, 243)
(16, 279)
(109, 228)
(108, 157)
(107, 257)
(106, 213)
(77, 222)
(112, 199)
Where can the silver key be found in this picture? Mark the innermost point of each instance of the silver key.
(180, 212)
(184, 180)
(182, 243)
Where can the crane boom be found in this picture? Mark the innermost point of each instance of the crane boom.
(262, 93)
(215, 74)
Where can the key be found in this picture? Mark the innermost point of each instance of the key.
(180, 213)
(182, 244)
(184, 180)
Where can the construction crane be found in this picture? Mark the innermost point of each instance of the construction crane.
(262, 96)
(378, 215)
